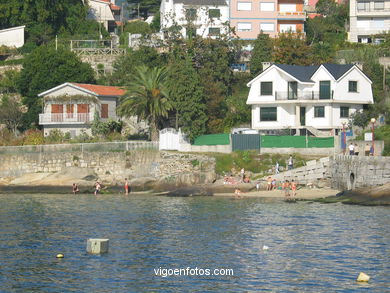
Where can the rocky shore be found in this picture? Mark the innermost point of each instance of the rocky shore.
(61, 182)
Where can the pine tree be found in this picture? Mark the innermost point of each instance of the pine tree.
(188, 98)
(262, 52)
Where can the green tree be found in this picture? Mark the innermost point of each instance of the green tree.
(188, 99)
(8, 82)
(326, 7)
(262, 52)
(291, 48)
(46, 68)
(147, 98)
(11, 113)
(239, 113)
(46, 18)
(124, 67)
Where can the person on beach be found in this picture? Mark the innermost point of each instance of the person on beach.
(242, 174)
(75, 188)
(367, 150)
(269, 183)
(126, 186)
(293, 188)
(97, 187)
(290, 163)
(237, 193)
(277, 168)
(273, 183)
(351, 149)
(286, 188)
(356, 149)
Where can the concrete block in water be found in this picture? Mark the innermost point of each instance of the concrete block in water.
(363, 277)
(97, 246)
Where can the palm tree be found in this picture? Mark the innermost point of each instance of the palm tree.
(147, 97)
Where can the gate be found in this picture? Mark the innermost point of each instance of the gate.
(169, 139)
(245, 142)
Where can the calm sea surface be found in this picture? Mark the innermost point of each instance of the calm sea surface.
(312, 247)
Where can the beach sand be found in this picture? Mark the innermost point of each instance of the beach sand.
(304, 193)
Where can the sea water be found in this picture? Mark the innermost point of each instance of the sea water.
(258, 245)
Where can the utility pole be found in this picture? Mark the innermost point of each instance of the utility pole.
(56, 42)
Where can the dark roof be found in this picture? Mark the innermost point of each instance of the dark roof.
(304, 73)
(202, 2)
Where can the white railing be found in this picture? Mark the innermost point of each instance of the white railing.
(117, 146)
(74, 118)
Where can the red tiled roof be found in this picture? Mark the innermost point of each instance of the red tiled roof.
(101, 90)
(115, 7)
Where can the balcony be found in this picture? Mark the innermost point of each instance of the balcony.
(302, 96)
(294, 15)
(65, 118)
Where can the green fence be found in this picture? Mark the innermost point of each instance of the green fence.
(213, 139)
(273, 141)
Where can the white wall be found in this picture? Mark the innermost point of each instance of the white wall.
(364, 92)
(12, 37)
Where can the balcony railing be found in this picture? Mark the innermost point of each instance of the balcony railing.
(292, 15)
(72, 118)
(305, 96)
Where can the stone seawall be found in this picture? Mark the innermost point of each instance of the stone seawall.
(341, 172)
(112, 167)
(350, 172)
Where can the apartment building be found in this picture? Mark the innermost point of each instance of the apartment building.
(368, 18)
(249, 17)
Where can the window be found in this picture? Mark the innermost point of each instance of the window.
(244, 6)
(268, 114)
(267, 6)
(287, 7)
(267, 27)
(244, 27)
(344, 112)
(363, 6)
(266, 88)
(379, 5)
(69, 110)
(319, 112)
(214, 31)
(104, 111)
(325, 89)
(214, 13)
(191, 13)
(352, 86)
(284, 28)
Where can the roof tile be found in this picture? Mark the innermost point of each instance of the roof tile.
(101, 90)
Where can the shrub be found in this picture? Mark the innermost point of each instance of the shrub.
(55, 136)
(33, 137)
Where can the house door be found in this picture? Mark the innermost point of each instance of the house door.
(57, 111)
(292, 90)
(302, 116)
(83, 112)
(325, 89)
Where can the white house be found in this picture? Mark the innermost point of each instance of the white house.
(70, 107)
(206, 18)
(299, 98)
(105, 12)
(12, 37)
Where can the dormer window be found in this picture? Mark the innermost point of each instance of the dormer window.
(352, 86)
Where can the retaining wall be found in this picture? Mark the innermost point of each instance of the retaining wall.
(113, 167)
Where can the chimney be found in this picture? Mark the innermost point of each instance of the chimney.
(266, 65)
(358, 64)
